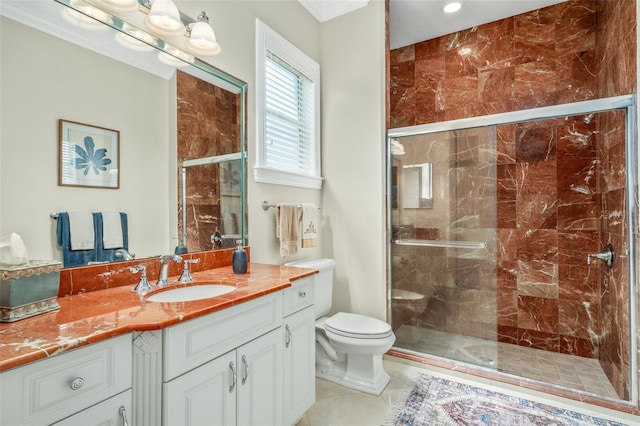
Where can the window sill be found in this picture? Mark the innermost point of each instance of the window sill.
(278, 177)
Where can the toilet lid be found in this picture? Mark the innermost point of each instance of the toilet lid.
(357, 326)
(400, 294)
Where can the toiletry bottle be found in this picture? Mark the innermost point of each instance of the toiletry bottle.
(239, 259)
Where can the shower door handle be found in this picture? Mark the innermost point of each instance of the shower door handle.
(606, 256)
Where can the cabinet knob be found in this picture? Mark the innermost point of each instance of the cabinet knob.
(302, 294)
(77, 383)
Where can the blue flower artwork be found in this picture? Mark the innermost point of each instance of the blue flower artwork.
(89, 158)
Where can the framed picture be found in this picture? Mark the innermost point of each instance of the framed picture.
(89, 156)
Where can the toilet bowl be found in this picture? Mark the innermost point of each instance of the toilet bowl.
(406, 306)
(349, 347)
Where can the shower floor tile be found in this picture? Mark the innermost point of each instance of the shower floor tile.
(570, 371)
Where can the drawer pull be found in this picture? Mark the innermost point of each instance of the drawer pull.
(302, 294)
(77, 383)
(288, 339)
(123, 415)
(233, 377)
(245, 374)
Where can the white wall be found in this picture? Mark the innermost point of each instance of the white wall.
(44, 79)
(353, 126)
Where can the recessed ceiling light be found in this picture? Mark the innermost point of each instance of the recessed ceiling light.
(452, 7)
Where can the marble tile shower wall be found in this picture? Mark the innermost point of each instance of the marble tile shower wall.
(616, 75)
(551, 210)
(207, 126)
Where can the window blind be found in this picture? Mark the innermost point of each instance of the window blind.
(289, 117)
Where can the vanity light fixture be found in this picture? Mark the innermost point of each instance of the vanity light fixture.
(452, 7)
(161, 18)
(202, 39)
(164, 18)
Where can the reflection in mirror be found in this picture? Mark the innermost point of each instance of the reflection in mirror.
(417, 184)
(144, 135)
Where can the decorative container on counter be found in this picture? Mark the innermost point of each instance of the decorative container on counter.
(29, 289)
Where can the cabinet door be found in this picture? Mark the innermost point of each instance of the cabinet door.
(204, 396)
(115, 411)
(260, 381)
(299, 364)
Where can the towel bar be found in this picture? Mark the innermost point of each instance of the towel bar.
(267, 205)
(443, 244)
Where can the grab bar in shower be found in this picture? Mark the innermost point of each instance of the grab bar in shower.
(442, 243)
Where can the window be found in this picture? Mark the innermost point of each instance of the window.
(288, 110)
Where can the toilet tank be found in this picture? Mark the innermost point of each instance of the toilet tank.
(323, 282)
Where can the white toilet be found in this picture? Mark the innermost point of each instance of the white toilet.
(349, 347)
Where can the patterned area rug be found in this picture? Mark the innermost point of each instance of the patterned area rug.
(436, 401)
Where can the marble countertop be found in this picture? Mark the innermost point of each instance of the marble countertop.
(98, 315)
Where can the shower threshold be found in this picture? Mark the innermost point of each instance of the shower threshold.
(569, 371)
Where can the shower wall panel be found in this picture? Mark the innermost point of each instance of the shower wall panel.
(543, 57)
(616, 74)
(548, 211)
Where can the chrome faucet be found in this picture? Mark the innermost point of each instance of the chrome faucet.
(124, 254)
(186, 273)
(143, 284)
(606, 256)
(163, 277)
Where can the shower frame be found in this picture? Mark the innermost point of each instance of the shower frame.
(626, 103)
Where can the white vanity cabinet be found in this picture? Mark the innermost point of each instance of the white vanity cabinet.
(61, 387)
(299, 350)
(237, 379)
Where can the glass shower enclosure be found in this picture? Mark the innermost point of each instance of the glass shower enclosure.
(513, 243)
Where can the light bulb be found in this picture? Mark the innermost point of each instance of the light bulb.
(164, 18)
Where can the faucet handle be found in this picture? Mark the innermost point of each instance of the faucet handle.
(186, 277)
(143, 284)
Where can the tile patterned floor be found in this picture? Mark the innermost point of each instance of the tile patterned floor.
(338, 406)
(570, 371)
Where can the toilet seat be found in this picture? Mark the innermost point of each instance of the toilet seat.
(406, 295)
(356, 326)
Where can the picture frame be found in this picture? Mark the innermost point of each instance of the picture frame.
(88, 155)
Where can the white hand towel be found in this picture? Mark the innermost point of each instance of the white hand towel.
(287, 218)
(81, 232)
(112, 230)
(309, 225)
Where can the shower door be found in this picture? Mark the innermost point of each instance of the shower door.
(444, 232)
(511, 240)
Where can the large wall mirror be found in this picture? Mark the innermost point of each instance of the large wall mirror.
(181, 124)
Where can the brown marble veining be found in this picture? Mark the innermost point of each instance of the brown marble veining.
(559, 184)
(207, 123)
(92, 316)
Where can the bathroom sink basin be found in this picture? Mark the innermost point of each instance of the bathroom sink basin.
(194, 292)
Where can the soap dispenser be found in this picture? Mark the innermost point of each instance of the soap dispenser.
(239, 259)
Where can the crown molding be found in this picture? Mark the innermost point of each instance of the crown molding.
(324, 10)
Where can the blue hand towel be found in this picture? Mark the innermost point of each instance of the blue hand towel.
(109, 255)
(72, 257)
